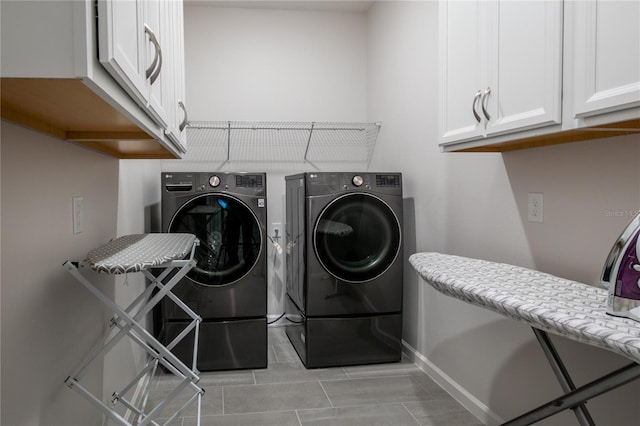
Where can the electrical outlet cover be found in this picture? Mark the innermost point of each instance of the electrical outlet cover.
(535, 207)
(78, 215)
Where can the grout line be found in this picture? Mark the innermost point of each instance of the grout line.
(326, 394)
(222, 398)
(248, 413)
(346, 373)
(411, 413)
(389, 376)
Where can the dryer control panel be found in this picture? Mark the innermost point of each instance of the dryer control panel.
(323, 183)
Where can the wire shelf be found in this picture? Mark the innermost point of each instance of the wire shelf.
(282, 142)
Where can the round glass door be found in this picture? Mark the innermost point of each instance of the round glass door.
(357, 237)
(229, 234)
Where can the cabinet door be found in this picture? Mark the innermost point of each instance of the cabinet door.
(158, 44)
(177, 130)
(525, 65)
(462, 59)
(121, 45)
(606, 56)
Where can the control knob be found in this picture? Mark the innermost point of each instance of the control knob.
(357, 180)
(214, 181)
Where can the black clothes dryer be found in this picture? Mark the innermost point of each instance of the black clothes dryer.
(344, 267)
(228, 285)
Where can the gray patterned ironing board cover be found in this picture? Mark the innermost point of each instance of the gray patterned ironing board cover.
(552, 304)
(137, 252)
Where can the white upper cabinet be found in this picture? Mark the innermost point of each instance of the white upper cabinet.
(141, 46)
(606, 56)
(88, 71)
(521, 74)
(500, 69)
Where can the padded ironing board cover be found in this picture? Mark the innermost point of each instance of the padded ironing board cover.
(549, 303)
(134, 253)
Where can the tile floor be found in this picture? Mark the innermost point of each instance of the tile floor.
(286, 393)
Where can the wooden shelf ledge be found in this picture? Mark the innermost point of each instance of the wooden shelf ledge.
(69, 110)
(606, 131)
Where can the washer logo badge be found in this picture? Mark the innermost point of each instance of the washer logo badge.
(261, 202)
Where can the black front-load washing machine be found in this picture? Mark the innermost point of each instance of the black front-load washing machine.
(344, 267)
(228, 285)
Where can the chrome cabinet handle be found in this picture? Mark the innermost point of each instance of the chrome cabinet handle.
(154, 69)
(155, 75)
(185, 120)
(473, 106)
(485, 96)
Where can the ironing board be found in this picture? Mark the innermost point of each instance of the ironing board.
(548, 304)
(171, 257)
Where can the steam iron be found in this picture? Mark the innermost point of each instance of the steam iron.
(621, 273)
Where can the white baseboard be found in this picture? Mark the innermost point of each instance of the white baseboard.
(460, 394)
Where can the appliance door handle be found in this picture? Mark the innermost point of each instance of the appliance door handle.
(473, 106)
(485, 96)
(185, 120)
(154, 68)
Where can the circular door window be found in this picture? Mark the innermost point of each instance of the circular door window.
(229, 234)
(357, 237)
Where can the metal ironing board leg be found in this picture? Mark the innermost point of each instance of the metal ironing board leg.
(157, 283)
(580, 395)
(581, 412)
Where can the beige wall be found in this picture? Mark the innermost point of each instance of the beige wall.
(475, 205)
(49, 320)
(270, 64)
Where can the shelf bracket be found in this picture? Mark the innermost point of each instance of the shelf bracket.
(228, 140)
(306, 151)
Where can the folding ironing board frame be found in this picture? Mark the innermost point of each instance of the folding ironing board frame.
(573, 398)
(528, 296)
(126, 323)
